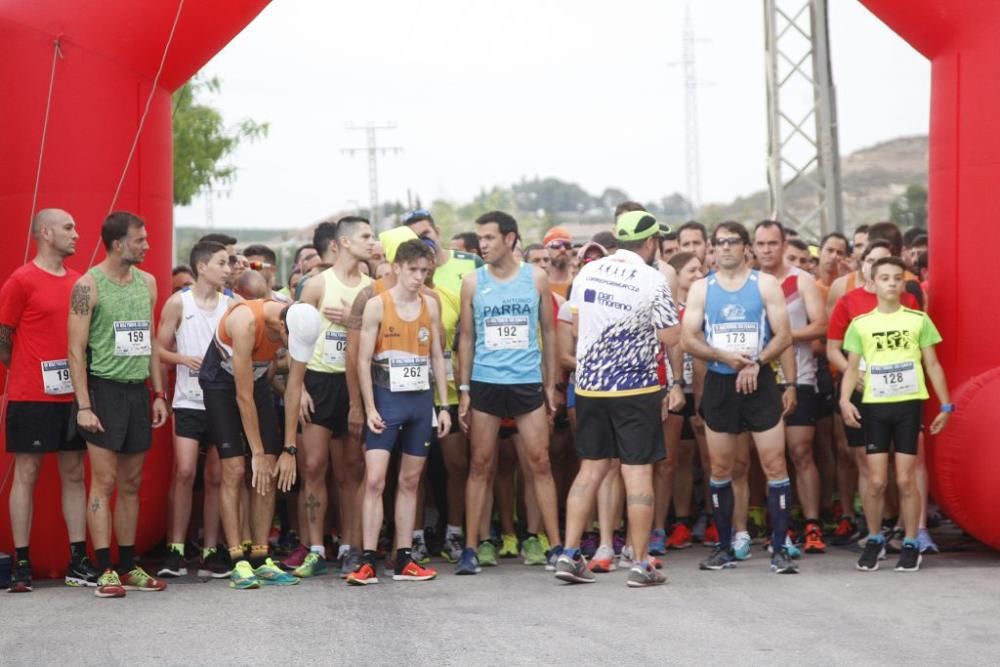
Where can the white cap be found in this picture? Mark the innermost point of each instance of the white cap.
(302, 322)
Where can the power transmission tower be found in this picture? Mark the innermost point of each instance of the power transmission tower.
(802, 115)
(693, 158)
(373, 149)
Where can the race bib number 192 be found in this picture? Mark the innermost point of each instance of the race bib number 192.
(509, 332)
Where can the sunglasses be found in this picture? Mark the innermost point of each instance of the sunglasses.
(728, 242)
(560, 245)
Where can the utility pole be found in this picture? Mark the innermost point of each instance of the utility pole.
(802, 115)
(693, 159)
(373, 149)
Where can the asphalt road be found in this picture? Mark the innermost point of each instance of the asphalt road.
(514, 615)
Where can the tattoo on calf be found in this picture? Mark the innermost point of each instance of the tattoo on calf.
(80, 300)
(639, 499)
(95, 505)
(312, 504)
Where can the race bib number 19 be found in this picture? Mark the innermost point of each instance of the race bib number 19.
(507, 332)
(55, 377)
(892, 380)
(408, 374)
(132, 339)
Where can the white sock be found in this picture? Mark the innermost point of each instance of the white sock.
(453, 530)
(318, 549)
(344, 548)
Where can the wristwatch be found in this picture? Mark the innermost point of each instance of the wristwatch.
(463, 387)
(677, 383)
(947, 407)
(291, 449)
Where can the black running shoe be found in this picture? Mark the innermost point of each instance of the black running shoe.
(20, 581)
(909, 558)
(81, 573)
(173, 566)
(782, 563)
(216, 566)
(874, 550)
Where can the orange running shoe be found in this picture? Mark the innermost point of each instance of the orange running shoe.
(680, 537)
(137, 579)
(711, 538)
(363, 576)
(603, 560)
(413, 572)
(814, 539)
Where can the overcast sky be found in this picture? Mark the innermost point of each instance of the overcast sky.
(485, 93)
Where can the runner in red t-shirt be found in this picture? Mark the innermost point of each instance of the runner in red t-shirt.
(34, 305)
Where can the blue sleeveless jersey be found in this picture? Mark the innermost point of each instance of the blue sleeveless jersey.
(506, 319)
(735, 321)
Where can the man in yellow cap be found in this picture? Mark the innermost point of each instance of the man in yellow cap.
(559, 243)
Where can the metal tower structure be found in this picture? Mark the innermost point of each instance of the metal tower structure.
(802, 118)
(691, 153)
(373, 149)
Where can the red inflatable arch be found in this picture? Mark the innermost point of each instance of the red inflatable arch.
(960, 39)
(109, 54)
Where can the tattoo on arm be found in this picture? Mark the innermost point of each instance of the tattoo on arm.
(358, 309)
(639, 499)
(80, 300)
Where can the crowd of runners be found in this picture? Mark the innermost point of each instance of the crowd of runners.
(405, 399)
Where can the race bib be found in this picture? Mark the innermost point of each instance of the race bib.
(509, 332)
(132, 339)
(335, 348)
(55, 377)
(188, 387)
(892, 380)
(738, 337)
(408, 374)
(449, 368)
(688, 370)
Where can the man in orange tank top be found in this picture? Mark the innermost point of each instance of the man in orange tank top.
(399, 350)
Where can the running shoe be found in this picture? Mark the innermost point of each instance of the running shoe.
(137, 579)
(789, 546)
(589, 542)
(573, 570)
(468, 563)
(271, 574)
(603, 560)
(508, 546)
(418, 550)
(742, 544)
(81, 573)
(656, 562)
(532, 551)
(364, 575)
(296, 557)
(680, 536)
(349, 563)
(288, 542)
(845, 532)
(20, 580)
(215, 565)
(711, 537)
(926, 543)
(814, 543)
(109, 585)
(242, 577)
(756, 522)
(414, 571)
(894, 540)
(313, 566)
(625, 557)
(389, 566)
(487, 554)
(551, 556)
(451, 550)
(782, 563)
(658, 542)
(643, 574)
(544, 540)
(618, 541)
(720, 559)
(698, 529)
(873, 553)
(173, 566)
(909, 558)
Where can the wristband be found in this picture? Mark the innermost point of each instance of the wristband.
(84, 409)
(159, 394)
(947, 407)
(463, 387)
(677, 383)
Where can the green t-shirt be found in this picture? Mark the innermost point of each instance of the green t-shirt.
(891, 345)
(449, 275)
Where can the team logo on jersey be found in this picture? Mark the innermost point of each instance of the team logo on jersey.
(423, 335)
(734, 311)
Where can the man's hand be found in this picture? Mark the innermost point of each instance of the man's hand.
(88, 421)
(851, 414)
(160, 412)
(375, 423)
(261, 473)
(338, 315)
(550, 399)
(735, 361)
(464, 403)
(939, 423)
(746, 379)
(285, 471)
(676, 398)
(789, 399)
(306, 407)
(194, 363)
(355, 419)
(444, 422)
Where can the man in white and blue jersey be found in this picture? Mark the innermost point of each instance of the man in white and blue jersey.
(623, 310)
(737, 321)
(506, 373)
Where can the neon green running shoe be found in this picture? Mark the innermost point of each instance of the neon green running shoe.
(508, 548)
(543, 539)
(242, 577)
(271, 574)
(487, 554)
(533, 552)
(313, 566)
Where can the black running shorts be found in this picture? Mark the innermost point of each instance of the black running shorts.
(506, 400)
(620, 427)
(191, 423)
(805, 406)
(895, 425)
(225, 428)
(41, 427)
(727, 411)
(126, 415)
(331, 401)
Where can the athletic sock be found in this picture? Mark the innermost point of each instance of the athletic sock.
(207, 551)
(177, 547)
(368, 556)
(722, 510)
(21, 553)
(126, 558)
(403, 559)
(453, 530)
(878, 537)
(77, 551)
(343, 550)
(258, 554)
(318, 549)
(778, 492)
(911, 542)
(103, 559)
(236, 554)
(570, 552)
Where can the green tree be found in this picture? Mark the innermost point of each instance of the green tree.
(910, 210)
(202, 141)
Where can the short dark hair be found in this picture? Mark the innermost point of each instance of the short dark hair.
(116, 226)
(415, 216)
(606, 239)
(768, 224)
(789, 232)
(921, 264)
(892, 261)
(669, 236)
(919, 241)
(261, 250)
(347, 225)
(412, 250)
(912, 234)
(696, 226)
(224, 239)
(877, 243)
(504, 221)
(836, 235)
(324, 234)
(469, 240)
(799, 244)
(202, 251)
(861, 229)
(681, 259)
(888, 231)
(734, 228)
(531, 247)
(181, 268)
(300, 249)
(627, 207)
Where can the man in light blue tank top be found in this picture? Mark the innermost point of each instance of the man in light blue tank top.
(736, 321)
(506, 305)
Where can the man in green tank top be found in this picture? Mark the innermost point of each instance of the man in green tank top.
(111, 357)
